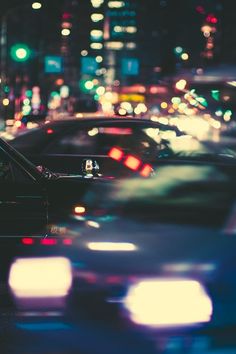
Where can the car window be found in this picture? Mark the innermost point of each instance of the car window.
(99, 140)
(10, 171)
(5, 168)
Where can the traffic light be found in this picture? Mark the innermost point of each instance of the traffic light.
(20, 52)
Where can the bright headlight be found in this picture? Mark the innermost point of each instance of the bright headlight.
(168, 302)
(40, 277)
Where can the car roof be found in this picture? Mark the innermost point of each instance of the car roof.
(111, 120)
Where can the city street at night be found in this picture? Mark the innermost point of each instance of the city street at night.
(117, 177)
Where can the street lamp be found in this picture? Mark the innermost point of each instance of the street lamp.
(20, 54)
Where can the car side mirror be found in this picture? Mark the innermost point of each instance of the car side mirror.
(46, 172)
(90, 168)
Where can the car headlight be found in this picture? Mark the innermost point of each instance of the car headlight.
(168, 302)
(40, 277)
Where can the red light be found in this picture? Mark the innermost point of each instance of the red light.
(214, 20)
(48, 241)
(116, 154)
(132, 162)
(146, 171)
(67, 241)
(211, 19)
(27, 241)
(66, 16)
(200, 10)
(113, 279)
(50, 131)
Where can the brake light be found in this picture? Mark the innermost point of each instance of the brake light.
(67, 242)
(116, 154)
(146, 171)
(50, 131)
(27, 241)
(132, 162)
(48, 241)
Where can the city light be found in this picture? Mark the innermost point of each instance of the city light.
(20, 52)
(96, 45)
(96, 17)
(116, 4)
(184, 56)
(36, 5)
(84, 53)
(65, 32)
(181, 84)
(97, 3)
(5, 102)
(99, 58)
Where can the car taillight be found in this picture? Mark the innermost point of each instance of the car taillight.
(116, 154)
(27, 241)
(132, 162)
(146, 170)
(48, 241)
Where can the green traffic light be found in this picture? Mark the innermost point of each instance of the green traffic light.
(20, 52)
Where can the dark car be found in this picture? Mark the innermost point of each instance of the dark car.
(30, 199)
(63, 144)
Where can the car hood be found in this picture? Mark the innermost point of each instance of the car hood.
(126, 247)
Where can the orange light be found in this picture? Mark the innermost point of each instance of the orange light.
(59, 82)
(164, 105)
(146, 171)
(79, 209)
(132, 162)
(116, 154)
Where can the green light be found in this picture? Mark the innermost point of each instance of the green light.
(86, 85)
(28, 93)
(178, 50)
(215, 94)
(55, 94)
(6, 89)
(228, 112)
(202, 100)
(20, 52)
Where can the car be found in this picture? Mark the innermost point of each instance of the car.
(62, 145)
(31, 197)
(162, 261)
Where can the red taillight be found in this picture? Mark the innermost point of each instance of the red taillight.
(132, 162)
(27, 241)
(67, 241)
(146, 171)
(116, 154)
(48, 241)
(50, 131)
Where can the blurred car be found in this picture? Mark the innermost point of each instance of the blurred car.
(62, 145)
(162, 261)
(32, 197)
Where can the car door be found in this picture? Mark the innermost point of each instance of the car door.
(23, 202)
